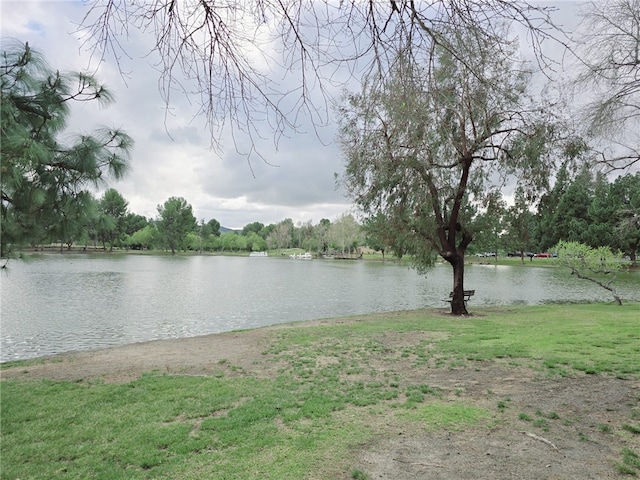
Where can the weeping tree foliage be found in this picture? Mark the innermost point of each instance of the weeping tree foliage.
(426, 144)
(45, 179)
(598, 265)
(229, 51)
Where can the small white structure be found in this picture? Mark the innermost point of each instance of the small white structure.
(301, 256)
(258, 254)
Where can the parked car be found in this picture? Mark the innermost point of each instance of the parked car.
(519, 254)
(543, 255)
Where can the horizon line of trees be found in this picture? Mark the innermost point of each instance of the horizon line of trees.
(582, 206)
(107, 223)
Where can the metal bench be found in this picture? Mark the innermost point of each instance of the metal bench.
(467, 296)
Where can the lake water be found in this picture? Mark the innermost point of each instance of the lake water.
(58, 303)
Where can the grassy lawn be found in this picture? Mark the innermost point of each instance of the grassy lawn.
(331, 385)
(594, 338)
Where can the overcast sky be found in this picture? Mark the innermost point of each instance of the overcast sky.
(172, 155)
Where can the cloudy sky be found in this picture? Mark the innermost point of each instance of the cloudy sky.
(172, 155)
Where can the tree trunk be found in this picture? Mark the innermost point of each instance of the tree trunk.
(458, 306)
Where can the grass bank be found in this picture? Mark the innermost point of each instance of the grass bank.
(328, 389)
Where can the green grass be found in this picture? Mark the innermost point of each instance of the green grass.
(592, 338)
(456, 416)
(167, 427)
(635, 429)
(334, 388)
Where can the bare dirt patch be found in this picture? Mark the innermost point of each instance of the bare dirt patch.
(540, 428)
(568, 428)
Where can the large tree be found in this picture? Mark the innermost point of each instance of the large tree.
(379, 235)
(544, 235)
(424, 143)
(571, 221)
(282, 235)
(175, 221)
(113, 209)
(44, 181)
(255, 227)
(134, 222)
(214, 227)
(321, 233)
(345, 234)
(601, 214)
(147, 237)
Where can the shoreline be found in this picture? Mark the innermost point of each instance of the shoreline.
(475, 312)
(197, 355)
(470, 259)
(203, 354)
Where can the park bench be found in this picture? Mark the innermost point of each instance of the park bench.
(467, 295)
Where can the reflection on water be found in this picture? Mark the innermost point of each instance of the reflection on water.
(57, 303)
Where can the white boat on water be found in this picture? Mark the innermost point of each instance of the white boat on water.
(258, 254)
(301, 256)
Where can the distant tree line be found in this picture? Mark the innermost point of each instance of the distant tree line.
(581, 207)
(106, 223)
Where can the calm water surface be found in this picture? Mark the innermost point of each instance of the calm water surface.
(58, 303)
